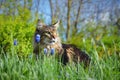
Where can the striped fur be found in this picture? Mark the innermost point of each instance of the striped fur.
(50, 39)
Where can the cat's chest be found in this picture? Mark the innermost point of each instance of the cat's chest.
(57, 47)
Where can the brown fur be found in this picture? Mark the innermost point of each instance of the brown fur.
(72, 53)
(67, 52)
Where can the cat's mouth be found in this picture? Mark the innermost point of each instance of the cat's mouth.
(52, 41)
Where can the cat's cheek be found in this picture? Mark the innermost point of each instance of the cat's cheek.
(46, 41)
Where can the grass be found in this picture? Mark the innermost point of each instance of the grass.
(14, 68)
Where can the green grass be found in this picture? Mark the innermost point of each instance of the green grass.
(14, 68)
(18, 63)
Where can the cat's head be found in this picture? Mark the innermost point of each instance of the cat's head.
(48, 33)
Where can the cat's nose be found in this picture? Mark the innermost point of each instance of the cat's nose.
(53, 36)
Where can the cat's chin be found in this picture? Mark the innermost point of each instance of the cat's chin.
(52, 43)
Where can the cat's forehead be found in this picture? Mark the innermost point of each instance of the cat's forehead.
(41, 27)
(49, 28)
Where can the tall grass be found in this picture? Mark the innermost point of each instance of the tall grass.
(13, 67)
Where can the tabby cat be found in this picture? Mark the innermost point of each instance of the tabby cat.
(49, 38)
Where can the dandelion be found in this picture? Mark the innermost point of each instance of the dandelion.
(52, 51)
(45, 51)
(37, 38)
(15, 42)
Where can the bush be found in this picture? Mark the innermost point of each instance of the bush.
(19, 30)
(102, 38)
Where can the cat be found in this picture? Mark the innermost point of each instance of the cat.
(49, 39)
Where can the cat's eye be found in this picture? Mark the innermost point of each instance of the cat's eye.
(48, 33)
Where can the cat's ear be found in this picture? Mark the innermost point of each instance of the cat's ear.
(56, 25)
(39, 24)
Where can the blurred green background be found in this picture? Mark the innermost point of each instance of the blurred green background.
(92, 25)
